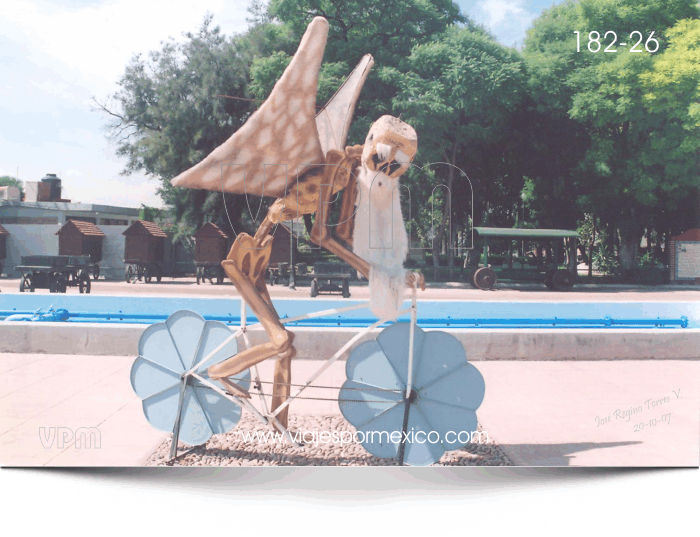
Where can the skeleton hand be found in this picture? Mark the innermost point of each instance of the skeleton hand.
(415, 279)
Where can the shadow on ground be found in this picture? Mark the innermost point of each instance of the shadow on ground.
(554, 454)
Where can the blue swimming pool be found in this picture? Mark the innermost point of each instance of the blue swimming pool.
(431, 314)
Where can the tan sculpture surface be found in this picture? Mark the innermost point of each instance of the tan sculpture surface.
(285, 131)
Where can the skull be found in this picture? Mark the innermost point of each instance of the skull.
(390, 147)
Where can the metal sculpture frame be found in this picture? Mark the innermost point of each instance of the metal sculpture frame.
(269, 416)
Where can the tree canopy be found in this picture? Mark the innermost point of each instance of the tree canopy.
(575, 130)
(627, 174)
(7, 180)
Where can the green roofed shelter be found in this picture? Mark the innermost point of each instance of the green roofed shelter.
(525, 233)
(554, 277)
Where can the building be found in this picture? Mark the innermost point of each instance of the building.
(32, 225)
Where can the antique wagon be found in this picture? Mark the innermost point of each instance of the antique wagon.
(78, 238)
(553, 275)
(144, 251)
(211, 248)
(284, 251)
(330, 278)
(55, 273)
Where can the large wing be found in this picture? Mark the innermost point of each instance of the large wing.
(333, 121)
(281, 132)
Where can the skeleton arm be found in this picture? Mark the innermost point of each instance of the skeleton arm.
(320, 234)
(337, 164)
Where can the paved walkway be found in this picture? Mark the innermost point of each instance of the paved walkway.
(447, 291)
(541, 413)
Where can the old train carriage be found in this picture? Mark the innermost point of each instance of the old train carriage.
(144, 251)
(78, 238)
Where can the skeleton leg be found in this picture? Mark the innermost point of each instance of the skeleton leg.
(245, 266)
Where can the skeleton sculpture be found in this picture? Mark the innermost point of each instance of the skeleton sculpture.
(285, 137)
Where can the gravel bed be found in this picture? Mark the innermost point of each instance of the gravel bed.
(230, 449)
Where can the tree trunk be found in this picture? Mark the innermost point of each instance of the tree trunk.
(446, 212)
(584, 255)
(451, 255)
(590, 255)
(628, 251)
(630, 234)
(658, 250)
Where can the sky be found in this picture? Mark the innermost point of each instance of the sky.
(57, 55)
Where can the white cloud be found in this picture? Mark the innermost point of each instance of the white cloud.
(96, 42)
(507, 19)
(114, 190)
(72, 173)
(498, 10)
(55, 58)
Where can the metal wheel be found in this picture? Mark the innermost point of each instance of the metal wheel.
(446, 391)
(314, 288)
(485, 278)
(563, 280)
(62, 283)
(26, 284)
(53, 283)
(470, 277)
(58, 283)
(84, 282)
(548, 279)
(130, 274)
(173, 400)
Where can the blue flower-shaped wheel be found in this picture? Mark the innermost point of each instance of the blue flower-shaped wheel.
(166, 351)
(446, 391)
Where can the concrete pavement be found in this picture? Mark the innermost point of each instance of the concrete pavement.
(540, 413)
(505, 291)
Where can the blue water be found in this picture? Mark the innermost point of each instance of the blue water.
(431, 314)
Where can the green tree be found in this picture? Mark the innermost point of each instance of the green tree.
(179, 104)
(623, 176)
(7, 180)
(150, 214)
(671, 90)
(169, 112)
(388, 31)
(460, 90)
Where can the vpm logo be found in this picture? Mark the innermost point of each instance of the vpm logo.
(85, 437)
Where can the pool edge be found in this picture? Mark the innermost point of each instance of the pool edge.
(311, 343)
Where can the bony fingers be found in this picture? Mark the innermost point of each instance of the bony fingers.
(415, 279)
